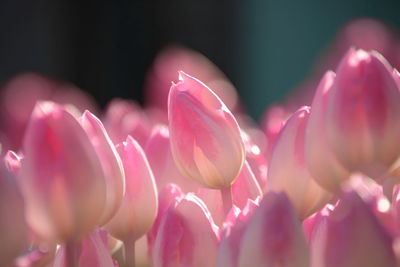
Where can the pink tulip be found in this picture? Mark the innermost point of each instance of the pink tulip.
(13, 161)
(203, 134)
(110, 161)
(92, 251)
(273, 236)
(352, 236)
(139, 206)
(175, 58)
(19, 96)
(13, 228)
(229, 247)
(168, 196)
(257, 160)
(245, 187)
(123, 118)
(321, 161)
(288, 171)
(61, 175)
(158, 152)
(363, 110)
(187, 236)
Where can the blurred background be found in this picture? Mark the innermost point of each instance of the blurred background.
(266, 48)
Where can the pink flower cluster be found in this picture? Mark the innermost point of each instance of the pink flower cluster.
(191, 181)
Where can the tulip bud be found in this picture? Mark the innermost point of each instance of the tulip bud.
(351, 236)
(273, 236)
(61, 175)
(158, 152)
(110, 161)
(13, 229)
(321, 161)
(245, 187)
(166, 197)
(363, 110)
(205, 137)
(288, 170)
(187, 236)
(229, 247)
(139, 206)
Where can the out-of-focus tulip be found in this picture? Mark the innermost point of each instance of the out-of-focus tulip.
(139, 205)
(92, 251)
(351, 236)
(321, 161)
(288, 171)
(61, 176)
(245, 187)
(229, 247)
(13, 161)
(257, 160)
(110, 161)
(272, 122)
(175, 58)
(273, 236)
(123, 118)
(187, 236)
(363, 110)
(166, 197)
(13, 228)
(158, 152)
(19, 96)
(205, 137)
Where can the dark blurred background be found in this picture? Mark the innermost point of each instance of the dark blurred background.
(265, 47)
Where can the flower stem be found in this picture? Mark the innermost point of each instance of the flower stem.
(129, 252)
(72, 254)
(226, 193)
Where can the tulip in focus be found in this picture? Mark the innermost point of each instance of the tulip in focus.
(205, 137)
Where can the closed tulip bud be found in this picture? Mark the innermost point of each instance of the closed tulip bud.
(245, 187)
(274, 236)
(187, 236)
(158, 152)
(288, 170)
(110, 161)
(168, 196)
(205, 137)
(138, 210)
(229, 248)
(321, 161)
(13, 228)
(363, 110)
(351, 236)
(61, 175)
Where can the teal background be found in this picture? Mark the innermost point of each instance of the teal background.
(281, 40)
